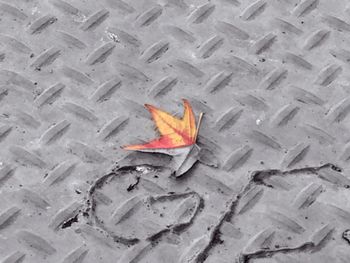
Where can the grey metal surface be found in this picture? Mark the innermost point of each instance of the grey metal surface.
(271, 77)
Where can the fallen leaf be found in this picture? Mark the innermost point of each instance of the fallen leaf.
(185, 159)
(175, 132)
(177, 138)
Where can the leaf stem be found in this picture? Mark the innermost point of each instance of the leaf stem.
(198, 125)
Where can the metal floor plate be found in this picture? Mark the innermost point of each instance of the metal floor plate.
(271, 77)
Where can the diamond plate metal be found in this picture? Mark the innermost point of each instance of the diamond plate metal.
(272, 181)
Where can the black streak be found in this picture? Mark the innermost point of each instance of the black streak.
(132, 186)
(70, 222)
(256, 178)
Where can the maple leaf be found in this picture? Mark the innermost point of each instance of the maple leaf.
(177, 137)
(175, 132)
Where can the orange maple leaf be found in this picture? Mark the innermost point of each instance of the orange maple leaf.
(174, 132)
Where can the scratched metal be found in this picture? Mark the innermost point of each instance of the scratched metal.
(270, 76)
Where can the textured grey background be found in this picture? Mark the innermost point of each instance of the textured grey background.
(271, 77)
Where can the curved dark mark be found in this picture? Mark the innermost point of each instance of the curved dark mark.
(34, 198)
(72, 40)
(305, 96)
(319, 134)
(188, 68)
(27, 157)
(250, 199)
(2, 57)
(121, 5)
(228, 119)
(336, 23)
(12, 10)
(154, 52)
(132, 73)
(201, 13)
(9, 216)
(80, 111)
(100, 54)
(305, 7)
(15, 44)
(284, 115)
(295, 154)
(179, 34)
(286, 26)
(328, 75)
(28, 119)
(41, 23)
(253, 10)
(265, 139)
(16, 79)
(46, 58)
(49, 95)
(58, 174)
(308, 196)
(163, 86)
(218, 82)
(346, 235)
(339, 111)
(274, 78)
(118, 35)
(298, 61)
(149, 16)
(95, 20)
(231, 30)
(176, 228)
(70, 222)
(237, 158)
(264, 253)
(55, 132)
(316, 39)
(77, 255)
(243, 65)
(341, 54)
(16, 257)
(258, 178)
(263, 43)
(132, 186)
(65, 7)
(76, 75)
(4, 131)
(36, 242)
(3, 93)
(317, 240)
(6, 173)
(210, 46)
(106, 90)
(113, 127)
